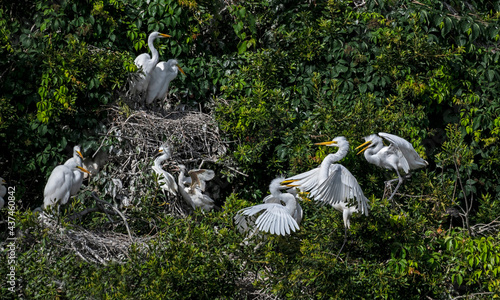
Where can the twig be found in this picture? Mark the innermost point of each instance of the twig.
(94, 194)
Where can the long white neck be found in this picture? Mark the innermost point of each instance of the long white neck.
(160, 159)
(330, 159)
(155, 57)
(371, 153)
(182, 190)
(290, 202)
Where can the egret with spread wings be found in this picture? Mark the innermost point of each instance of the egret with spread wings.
(333, 184)
(274, 217)
(399, 155)
(193, 193)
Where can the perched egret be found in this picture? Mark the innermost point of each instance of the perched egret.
(399, 155)
(193, 194)
(147, 63)
(333, 183)
(165, 179)
(58, 188)
(162, 74)
(77, 174)
(3, 192)
(275, 217)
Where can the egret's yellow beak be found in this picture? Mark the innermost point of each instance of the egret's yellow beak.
(83, 170)
(180, 69)
(79, 154)
(285, 182)
(367, 144)
(330, 143)
(160, 150)
(165, 35)
(291, 185)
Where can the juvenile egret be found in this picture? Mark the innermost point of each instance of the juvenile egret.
(193, 194)
(77, 174)
(147, 63)
(165, 179)
(3, 192)
(399, 155)
(58, 188)
(162, 74)
(333, 183)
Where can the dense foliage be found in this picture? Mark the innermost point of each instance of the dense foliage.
(278, 76)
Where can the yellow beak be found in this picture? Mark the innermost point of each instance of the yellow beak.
(367, 144)
(286, 182)
(83, 170)
(180, 69)
(79, 153)
(291, 185)
(165, 35)
(330, 143)
(160, 150)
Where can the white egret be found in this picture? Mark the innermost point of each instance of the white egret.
(147, 63)
(165, 179)
(275, 217)
(193, 194)
(333, 183)
(399, 155)
(58, 188)
(3, 192)
(77, 174)
(162, 74)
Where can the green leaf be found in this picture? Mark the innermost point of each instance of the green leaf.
(242, 47)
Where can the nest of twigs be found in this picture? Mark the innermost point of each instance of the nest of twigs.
(134, 137)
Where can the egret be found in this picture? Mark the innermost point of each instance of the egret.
(399, 155)
(162, 74)
(333, 183)
(147, 63)
(3, 192)
(275, 217)
(77, 174)
(165, 179)
(58, 188)
(193, 194)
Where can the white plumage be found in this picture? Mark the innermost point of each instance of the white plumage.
(399, 155)
(193, 193)
(77, 160)
(274, 217)
(161, 75)
(165, 179)
(146, 64)
(333, 184)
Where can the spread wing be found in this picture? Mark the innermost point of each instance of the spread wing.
(413, 160)
(341, 186)
(307, 180)
(200, 176)
(273, 218)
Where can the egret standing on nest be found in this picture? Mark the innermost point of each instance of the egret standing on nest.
(193, 194)
(165, 179)
(275, 217)
(147, 63)
(399, 155)
(162, 74)
(58, 188)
